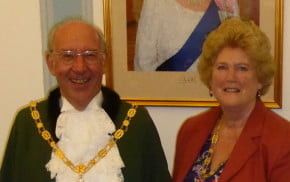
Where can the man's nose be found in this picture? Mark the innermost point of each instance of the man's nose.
(79, 65)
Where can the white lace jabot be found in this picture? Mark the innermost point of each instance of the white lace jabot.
(81, 135)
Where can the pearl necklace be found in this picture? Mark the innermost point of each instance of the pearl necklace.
(81, 168)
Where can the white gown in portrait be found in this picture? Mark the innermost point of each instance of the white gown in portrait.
(163, 29)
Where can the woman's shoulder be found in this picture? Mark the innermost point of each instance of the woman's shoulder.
(274, 135)
(276, 124)
(205, 118)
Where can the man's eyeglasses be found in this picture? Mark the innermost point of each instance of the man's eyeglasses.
(69, 56)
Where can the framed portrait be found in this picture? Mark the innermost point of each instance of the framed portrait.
(174, 88)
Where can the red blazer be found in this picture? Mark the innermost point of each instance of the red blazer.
(262, 152)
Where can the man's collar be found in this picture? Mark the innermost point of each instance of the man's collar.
(111, 103)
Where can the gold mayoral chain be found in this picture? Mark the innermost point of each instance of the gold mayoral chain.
(81, 168)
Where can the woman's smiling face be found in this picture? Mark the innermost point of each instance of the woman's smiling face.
(234, 82)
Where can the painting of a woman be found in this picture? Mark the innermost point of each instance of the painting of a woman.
(171, 32)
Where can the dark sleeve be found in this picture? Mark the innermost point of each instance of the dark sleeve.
(141, 149)
(155, 163)
(8, 164)
(26, 152)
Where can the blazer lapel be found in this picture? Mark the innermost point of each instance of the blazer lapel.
(196, 140)
(241, 153)
(53, 111)
(194, 145)
(246, 145)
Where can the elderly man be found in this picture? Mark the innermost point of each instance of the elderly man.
(82, 131)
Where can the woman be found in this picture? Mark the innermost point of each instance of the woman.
(171, 32)
(241, 140)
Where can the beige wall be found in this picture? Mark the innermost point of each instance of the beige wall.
(21, 72)
(21, 60)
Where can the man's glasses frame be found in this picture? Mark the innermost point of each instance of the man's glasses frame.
(69, 56)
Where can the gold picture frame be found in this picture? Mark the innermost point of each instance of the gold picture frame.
(177, 88)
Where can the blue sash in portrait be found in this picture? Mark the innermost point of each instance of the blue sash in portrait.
(191, 50)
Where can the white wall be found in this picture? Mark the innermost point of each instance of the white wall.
(20, 60)
(21, 72)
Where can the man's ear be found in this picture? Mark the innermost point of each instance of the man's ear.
(104, 65)
(50, 63)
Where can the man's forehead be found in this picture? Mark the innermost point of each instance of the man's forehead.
(76, 33)
(75, 26)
